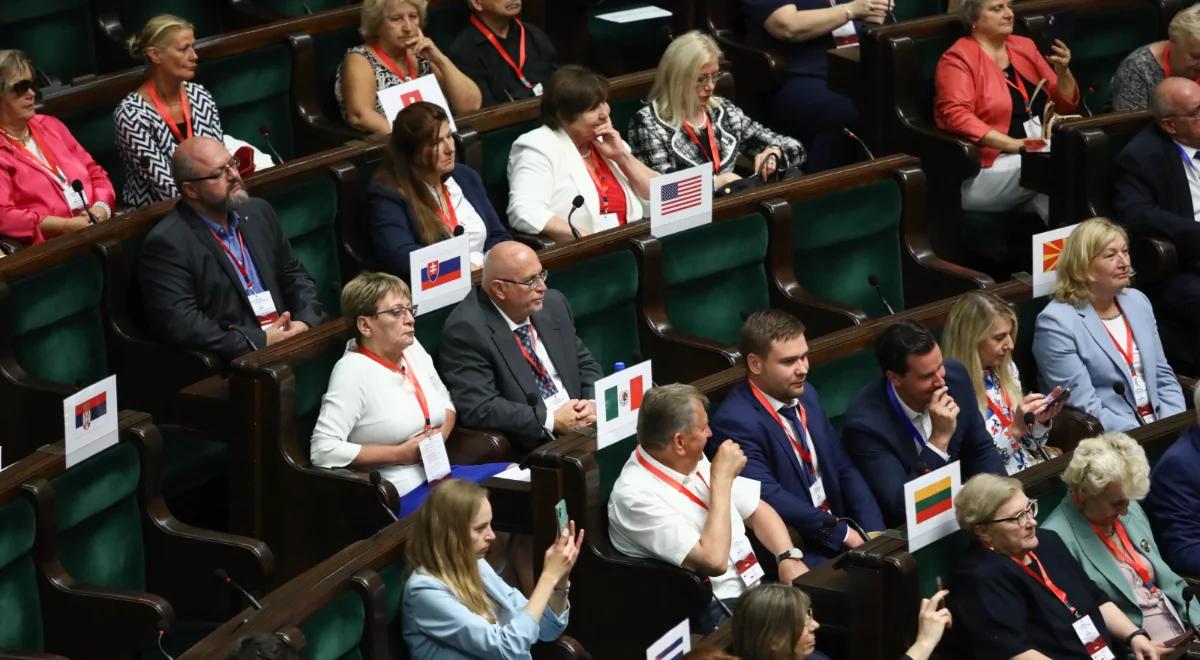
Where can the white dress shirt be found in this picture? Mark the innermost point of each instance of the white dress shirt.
(1191, 169)
(776, 404)
(539, 349)
(472, 223)
(1119, 331)
(924, 424)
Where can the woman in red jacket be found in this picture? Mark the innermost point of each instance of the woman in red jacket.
(992, 89)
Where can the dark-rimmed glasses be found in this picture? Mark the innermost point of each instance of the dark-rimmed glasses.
(531, 282)
(234, 164)
(397, 312)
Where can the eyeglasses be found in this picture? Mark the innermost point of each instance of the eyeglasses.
(21, 87)
(397, 312)
(710, 79)
(531, 282)
(1023, 518)
(233, 165)
(1193, 114)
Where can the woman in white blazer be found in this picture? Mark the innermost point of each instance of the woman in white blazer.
(1099, 336)
(576, 152)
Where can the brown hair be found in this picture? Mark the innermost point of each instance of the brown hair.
(441, 543)
(572, 91)
(764, 328)
(768, 620)
(414, 131)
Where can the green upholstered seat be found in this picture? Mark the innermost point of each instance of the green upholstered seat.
(301, 7)
(839, 380)
(335, 631)
(495, 145)
(58, 333)
(253, 89)
(905, 11)
(627, 47)
(207, 16)
(312, 380)
(92, 127)
(444, 21)
(841, 238)
(609, 462)
(330, 48)
(57, 34)
(603, 295)
(429, 329)
(1099, 40)
(929, 50)
(714, 274)
(307, 212)
(21, 625)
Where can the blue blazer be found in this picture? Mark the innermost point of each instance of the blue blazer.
(393, 234)
(1173, 502)
(883, 447)
(771, 461)
(1072, 347)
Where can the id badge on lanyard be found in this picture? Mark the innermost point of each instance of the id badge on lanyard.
(817, 492)
(745, 562)
(1095, 645)
(264, 308)
(845, 34)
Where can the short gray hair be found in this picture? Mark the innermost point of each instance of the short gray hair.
(665, 411)
(1106, 459)
(1186, 23)
(981, 496)
(969, 11)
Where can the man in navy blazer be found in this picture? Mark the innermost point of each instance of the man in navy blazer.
(809, 480)
(920, 417)
(1174, 500)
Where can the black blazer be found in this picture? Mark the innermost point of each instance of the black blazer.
(191, 291)
(1152, 194)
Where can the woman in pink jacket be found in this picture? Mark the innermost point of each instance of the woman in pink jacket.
(992, 89)
(48, 184)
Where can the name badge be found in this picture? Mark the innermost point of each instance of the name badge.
(817, 492)
(434, 458)
(1095, 645)
(1140, 395)
(1033, 127)
(606, 221)
(538, 90)
(74, 199)
(557, 401)
(264, 308)
(742, 555)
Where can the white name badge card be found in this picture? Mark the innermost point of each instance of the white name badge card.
(1095, 645)
(425, 88)
(440, 274)
(90, 421)
(745, 561)
(434, 458)
(817, 492)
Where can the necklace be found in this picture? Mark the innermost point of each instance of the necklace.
(18, 138)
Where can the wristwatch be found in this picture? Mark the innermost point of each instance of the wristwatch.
(793, 553)
(1139, 632)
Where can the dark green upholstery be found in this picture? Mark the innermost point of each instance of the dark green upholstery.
(843, 237)
(429, 329)
(394, 576)
(626, 47)
(335, 630)
(1099, 40)
(609, 462)
(839, 380)
(495, 146)
(715, 273)
(906, 11)
(56, 34)
(301, 7)
(444, 21)
(312, 380)
(929, 51)
(621, 111)
(58, 333)
(99, 520)
(330, 48)
(21, 625)
(602, 293)
(205, 15)
(307, 212)
(253, 89)
(92, 127)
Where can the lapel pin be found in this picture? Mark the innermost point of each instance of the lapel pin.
(1145, 546)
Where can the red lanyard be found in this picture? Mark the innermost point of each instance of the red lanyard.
(242, 266)
(800, 448)
(598, 177)
(1126, 553)
(518, 67)
(1020, 87)
(1166, 63)
(998, 411)
(713, 154)
(1126, 352)
(666, 479)
(407, 372)
(395, 68)
(1045, 581)
(51, 163)
(449, 216)
(533, 362)
(166, 116)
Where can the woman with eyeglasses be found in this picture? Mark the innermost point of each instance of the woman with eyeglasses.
(686, 124)
(421, 196)
(1109, 534)
(385, 396)
(40, 161)
(1020, 594)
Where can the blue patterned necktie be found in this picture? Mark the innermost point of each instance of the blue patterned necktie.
(546, 388)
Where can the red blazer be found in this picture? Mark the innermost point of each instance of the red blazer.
(29, 193)
(972, 97)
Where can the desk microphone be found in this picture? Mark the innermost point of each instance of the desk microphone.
(223, 577)
(575, 204)
(850, 134)
(1030, 418)
(77, 186)
(873, 280)
(831, 521)
(265, 131)
(229, 327)
(376, 481)
(1119, 388)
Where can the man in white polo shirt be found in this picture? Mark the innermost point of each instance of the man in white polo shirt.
(671, 503)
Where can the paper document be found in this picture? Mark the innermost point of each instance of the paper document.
(636, 14)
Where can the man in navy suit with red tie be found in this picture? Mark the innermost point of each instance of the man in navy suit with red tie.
(790, 446)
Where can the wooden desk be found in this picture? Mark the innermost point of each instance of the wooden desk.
(512, 505)
(1037, 172)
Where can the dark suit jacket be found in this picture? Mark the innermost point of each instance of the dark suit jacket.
(191, 291)
(1152, 194)
(771, 461)
(1173, 502)
(498, 83)
(884, 449)
(392, 232)
(489, 379)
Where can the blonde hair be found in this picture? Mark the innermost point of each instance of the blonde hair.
(374, 13)
(12, 61)
(1106, 459)
(674, 89)
(441, 543)
(157, 33)
(363, 293)
(981, 496)
(1186, 23)
(768, 620)
(969, 324)
(1085, 243)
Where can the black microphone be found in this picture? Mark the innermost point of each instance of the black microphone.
(873, 280)
(376, 479)
(163, 631)
(77, 186)
(1119, 388)
(830, 521)
(459, 231)
(575, 204)
(229, 327)
(850, 134)
(144, 162)
(224, 578)
(265, 131)
(1030, 418)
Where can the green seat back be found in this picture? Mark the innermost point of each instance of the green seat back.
(58, 332)
(312, 381)
(621, 111)
(495, 146)
(302, 7)
(843, 237)
(839, 380)
(307, 212)
(253, 89)
(1099, 40)
(929, 50)
(443, 22)
(603, 295)
(627, 47)
(205, 15)
(335, 630)
(714, 274)
(21, 625)
(609, 462)
(429, 330)
(92, 127)
(99, 520)
(394, 576)
(906, 11)
(56, 34)
(330, 48)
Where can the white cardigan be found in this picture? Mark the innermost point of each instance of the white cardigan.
(546, 172)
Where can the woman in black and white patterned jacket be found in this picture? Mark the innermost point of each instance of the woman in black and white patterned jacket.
(685, 122)
(153, 119)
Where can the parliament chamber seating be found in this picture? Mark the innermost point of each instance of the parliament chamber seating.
(42, 29)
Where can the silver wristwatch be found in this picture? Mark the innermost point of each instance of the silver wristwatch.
(793, 553)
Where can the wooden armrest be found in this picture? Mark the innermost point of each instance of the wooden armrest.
(942, 153)
(325, 132)
(1156, 259)
(12, 654)
(255, 11)
(1071, 426)
(563, 648)
(475, 446)
(204, 405)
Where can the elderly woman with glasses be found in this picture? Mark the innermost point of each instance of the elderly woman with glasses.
(1019, 593)
(385, 397)
(48, 184)
(1109, 534)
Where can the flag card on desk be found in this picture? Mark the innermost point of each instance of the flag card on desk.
(424, 88)
(929, 505)
(1048, 246)
(681, 200)
(440, 274)
(90, 421)
(618, 400)
(672, 645)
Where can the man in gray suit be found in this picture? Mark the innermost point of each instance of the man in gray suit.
(510, 356)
